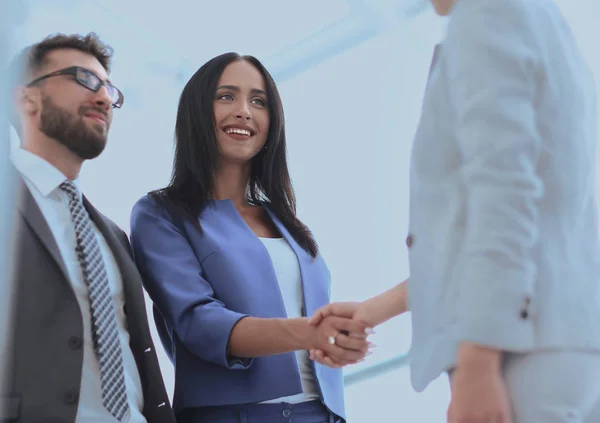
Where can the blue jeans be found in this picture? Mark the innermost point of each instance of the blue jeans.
(305, 412)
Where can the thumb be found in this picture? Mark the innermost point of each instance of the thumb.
(319, 315)
(347, 310)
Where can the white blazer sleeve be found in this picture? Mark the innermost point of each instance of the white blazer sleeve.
(494, 61)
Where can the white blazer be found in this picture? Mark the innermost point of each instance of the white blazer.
(503, 235)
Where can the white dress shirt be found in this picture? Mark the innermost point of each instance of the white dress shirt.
(43, 181)
(287, 270)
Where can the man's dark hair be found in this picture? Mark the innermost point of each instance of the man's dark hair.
(33, 58)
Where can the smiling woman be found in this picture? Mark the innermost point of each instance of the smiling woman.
(241, 113)
(231, 270)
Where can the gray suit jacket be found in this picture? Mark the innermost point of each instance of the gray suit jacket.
(503, 246)
(46, 354)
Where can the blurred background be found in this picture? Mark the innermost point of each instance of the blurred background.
(351, 74)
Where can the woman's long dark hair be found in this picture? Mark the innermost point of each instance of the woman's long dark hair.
(197, 155)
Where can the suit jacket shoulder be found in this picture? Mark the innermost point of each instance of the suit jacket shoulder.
(45, 356)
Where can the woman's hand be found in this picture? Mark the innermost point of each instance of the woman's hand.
(371, 312)
(364, 312)
(340, 338)
(352, 310)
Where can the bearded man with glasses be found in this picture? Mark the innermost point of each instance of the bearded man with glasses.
(80, 347)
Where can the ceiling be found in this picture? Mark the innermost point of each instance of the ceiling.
(173, 39)
(310, 47)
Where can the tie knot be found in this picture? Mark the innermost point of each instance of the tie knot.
(69, 187)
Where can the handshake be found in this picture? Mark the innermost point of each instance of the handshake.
(350, 323)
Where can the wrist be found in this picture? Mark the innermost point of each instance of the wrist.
(378, 310)
(478, 356)
(403, 288)
(390, 304)
(300, 332)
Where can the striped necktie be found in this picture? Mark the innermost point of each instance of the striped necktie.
(104, 318)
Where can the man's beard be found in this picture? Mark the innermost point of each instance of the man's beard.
(72, 131)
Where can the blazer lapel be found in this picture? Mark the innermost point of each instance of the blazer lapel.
(288, 237)
(32, 214)
(305, 261)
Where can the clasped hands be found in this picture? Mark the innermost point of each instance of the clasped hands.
(479, 393)
(344, 329)
(341, 339)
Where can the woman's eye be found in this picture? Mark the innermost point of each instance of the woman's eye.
(259, 101)
(226, 97)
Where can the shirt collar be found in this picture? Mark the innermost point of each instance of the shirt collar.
(41, 174)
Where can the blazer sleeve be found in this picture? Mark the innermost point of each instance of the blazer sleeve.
(493, 62)
(174, 279)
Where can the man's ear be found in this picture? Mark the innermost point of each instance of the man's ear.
(26, 101)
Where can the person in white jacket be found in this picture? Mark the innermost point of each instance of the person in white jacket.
(503, 238)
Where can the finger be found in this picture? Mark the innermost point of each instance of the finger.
(355, 335)
(351, 326)
(319, 354)
(320, 357)
(352, 343)
(330, 362)
(339, 363)
(345, 309)
(321, 361)
(352, 349)
(340, 354)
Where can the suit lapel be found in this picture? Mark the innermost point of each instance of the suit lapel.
(129, 273)
(134, 303)
(32, 214)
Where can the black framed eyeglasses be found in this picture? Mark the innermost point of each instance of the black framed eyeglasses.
(89, 80)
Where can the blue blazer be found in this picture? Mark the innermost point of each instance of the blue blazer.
(202, 284)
